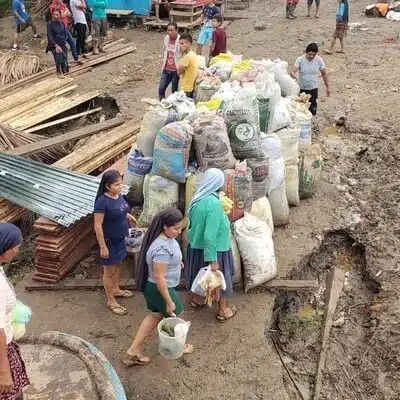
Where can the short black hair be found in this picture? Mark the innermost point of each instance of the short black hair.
(173, 24)
(186, 36)
(312, 47)
(218, 18)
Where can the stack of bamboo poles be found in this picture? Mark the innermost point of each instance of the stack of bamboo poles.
(59, 249)
(40, 102)
(86, 159)
(11, 138)
(115, 49)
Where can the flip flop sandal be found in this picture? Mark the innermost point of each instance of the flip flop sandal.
(125, 293)
(189, 349)
(222, 318)
(194, 304)
(122, 311)
(130, 361)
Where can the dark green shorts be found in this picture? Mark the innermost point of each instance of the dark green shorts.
(156, 303)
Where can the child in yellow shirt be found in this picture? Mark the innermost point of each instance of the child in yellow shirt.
(188, 67)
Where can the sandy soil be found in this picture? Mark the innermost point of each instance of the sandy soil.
(236, 360)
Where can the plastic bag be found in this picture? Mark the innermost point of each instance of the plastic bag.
(206, 87)
(211, 143)
(240, 69)
(237, 187)
(21, 314)
(243, 122)
(303, 118)
(237, 262)
(210, 106)
(288, 85)
(182, 105)
(138, 167)
(171, 151)
(153, 120)
(280, 118)
(159, 193)
(254, 238)
(134, 239)
(221, 66)
(208, 283)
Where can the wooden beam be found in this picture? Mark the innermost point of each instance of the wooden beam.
(62, 120)
(334, 286)
(291, 284)
(37, 147)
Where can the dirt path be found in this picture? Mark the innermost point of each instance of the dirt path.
(235, 360)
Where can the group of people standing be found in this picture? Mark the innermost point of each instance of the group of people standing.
(180, 63)
(63, 24)
(342, 20)
(160, 262)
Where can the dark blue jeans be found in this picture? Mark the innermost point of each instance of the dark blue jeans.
(168, 77)
(72, 45)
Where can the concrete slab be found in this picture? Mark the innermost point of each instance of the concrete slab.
(56, 374)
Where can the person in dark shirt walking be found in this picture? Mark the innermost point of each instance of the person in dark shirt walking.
(218, 44)
(57, 37)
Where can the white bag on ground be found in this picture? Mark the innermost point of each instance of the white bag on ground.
(237, 262)
(262, 210)
(242, 119)
(292, 185)
(290, 144)
(303, 118)
(153, 120)
(159, 193)
(254, 238)
(280, 118)
(276, 191)
(288, 85)
(310, 168)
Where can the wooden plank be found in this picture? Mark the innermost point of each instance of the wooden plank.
(334, 286)
(62, 120)
(75, 284)
(107, 57)
(49, 110)
(37, 147)
(185, 13)
(291, 284)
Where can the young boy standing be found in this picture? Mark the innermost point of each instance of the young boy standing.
(205, 36)
(309, 66)
(218, 44)
(22, 21)
(170, 61)
(188, 67)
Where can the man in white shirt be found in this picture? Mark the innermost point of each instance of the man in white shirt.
(309, 66)
(78, 9)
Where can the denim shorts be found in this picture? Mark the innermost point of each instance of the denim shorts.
(205, 35)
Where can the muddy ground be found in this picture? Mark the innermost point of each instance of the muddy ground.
(359, 194)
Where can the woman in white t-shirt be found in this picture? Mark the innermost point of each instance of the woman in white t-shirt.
(13, 377)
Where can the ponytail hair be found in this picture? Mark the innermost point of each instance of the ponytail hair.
(108, 178)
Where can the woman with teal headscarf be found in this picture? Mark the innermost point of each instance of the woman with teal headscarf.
(209, 236)
(342, 23)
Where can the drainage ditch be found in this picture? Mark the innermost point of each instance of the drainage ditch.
(358, 366)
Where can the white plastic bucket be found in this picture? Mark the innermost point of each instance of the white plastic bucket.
(171, 347)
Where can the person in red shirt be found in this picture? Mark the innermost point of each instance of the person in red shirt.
(171, 56)
(218, 44)
(65, 15)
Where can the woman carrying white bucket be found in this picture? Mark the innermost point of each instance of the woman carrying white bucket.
(158, 273)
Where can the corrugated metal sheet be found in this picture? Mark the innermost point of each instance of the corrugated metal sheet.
(60, 195)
